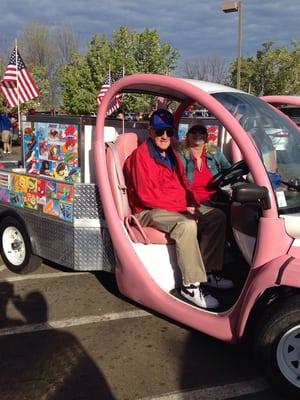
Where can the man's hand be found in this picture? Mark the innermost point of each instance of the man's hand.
(191, 210)
(193, 213)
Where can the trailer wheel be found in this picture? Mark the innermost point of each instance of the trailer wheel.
(277, 346)
(15, 247)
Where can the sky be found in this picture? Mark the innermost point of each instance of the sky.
(193, 27)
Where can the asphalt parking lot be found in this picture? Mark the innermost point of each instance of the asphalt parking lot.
(67, 335)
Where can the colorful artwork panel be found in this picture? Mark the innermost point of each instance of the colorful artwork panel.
(31, 201)
(18, 183)
(17, 198)
(74, 175)
(32, 184)
(51, 189)
(4, 180)
(5, 195)
(53, 151)
(65, 211)
(43, 195)
(51, 207)
(65, 192)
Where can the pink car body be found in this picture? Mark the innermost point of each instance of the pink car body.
(273, 255)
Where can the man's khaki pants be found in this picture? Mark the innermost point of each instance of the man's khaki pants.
(210, 227)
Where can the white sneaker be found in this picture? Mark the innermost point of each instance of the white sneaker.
(199, 296)
(217, 281)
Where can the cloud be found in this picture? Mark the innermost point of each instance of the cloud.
(193, 27)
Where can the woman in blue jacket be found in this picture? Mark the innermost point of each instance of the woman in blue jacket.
(202, 161)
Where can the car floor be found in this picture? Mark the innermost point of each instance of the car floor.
(235, 268)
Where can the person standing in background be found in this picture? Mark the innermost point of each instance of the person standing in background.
(6, 133)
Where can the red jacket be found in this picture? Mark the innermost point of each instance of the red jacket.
(151, 184)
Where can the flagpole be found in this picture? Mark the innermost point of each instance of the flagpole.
(17, 76)
(123, 114)
(18, 105)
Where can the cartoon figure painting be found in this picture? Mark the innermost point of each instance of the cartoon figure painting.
(61, 171)
(43, 149)
(45, 168)
(51, 207)
(65, 211)
(54, 152)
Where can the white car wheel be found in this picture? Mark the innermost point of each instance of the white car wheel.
(288, 355)
(277, 345)
(13, 245)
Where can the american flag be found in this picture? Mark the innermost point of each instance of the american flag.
(116, 101)
(17, 84)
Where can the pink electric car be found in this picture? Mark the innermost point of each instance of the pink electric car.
(261, 196)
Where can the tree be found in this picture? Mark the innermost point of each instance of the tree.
(213, 68)
(48, 51)
(78, 89)
(274, 70)
(66, 41)
(36, 45)
(129, 50)
(99, 60)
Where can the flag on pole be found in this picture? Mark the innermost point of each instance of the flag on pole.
(116, 101)
(163, 102)
(17, 84)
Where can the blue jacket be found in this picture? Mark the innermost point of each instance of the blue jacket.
(5, 124)
(215, 162)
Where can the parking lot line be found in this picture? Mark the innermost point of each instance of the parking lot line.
(39, 276)
(67, 323)
(221, 392)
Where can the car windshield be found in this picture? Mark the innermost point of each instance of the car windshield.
(276, 139)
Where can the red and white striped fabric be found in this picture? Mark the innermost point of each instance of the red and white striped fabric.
(17, 84)
(116, 101)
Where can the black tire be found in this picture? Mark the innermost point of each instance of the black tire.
(277, 345)
(15, 247)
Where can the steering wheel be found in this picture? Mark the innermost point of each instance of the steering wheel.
(233, 174)
(292, 184)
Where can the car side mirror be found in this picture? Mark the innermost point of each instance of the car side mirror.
(251, 193)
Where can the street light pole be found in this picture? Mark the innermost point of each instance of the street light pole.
(236, 6)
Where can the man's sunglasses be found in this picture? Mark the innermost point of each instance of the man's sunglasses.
(160, 132)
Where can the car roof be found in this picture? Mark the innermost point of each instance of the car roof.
(211, 87)
(167, 86)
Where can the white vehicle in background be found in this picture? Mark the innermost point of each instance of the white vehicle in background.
(203, 113)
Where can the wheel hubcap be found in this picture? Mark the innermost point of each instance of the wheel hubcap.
(288, 355)
(13, 245)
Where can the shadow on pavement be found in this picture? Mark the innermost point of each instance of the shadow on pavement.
(49, 364)
(209, 362)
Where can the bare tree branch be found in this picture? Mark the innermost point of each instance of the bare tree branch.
(212, 68)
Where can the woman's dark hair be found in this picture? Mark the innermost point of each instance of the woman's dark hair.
(198, 128)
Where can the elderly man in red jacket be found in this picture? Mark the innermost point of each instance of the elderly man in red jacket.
(157, 195)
